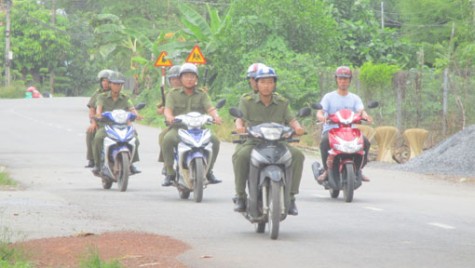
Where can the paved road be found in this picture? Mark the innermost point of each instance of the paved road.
(397, 220)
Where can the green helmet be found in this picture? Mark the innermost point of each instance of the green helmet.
(117, 78)
(174, 72)
(104, 74)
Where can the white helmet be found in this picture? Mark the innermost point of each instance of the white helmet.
(252, 70)
(188, 68)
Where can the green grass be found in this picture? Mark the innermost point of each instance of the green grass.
(5, 179)
(15, 91)
(11, 257)
(93, 260)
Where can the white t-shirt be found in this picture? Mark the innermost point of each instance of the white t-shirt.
(332, 102)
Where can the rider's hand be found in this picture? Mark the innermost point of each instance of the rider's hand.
(217, 120)
(92, 127)
(321, 118)
(241, 130)
(160, 110)
(170, 120)
(367, 117)
(299, 131)
(139, 117)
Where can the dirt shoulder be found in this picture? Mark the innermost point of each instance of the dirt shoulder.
(131, 249)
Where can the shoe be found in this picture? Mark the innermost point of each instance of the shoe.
(134, 169)
(96, 171)
(364, 178)
(90, 164)
(322, 177)
(212, 179)
(239, 204)
(293, 208)
(164, 171)
(168, 181)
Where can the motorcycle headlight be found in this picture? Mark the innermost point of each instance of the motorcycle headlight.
(195, 122)
(271, 133)
(348, 146)
(120, 116)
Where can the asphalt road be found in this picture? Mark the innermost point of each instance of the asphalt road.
(397, 220)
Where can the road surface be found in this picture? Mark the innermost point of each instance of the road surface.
(397, 220)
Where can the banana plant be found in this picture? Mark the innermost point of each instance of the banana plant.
(197, 30)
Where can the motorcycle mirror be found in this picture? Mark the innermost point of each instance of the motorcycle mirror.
(139, 106)
(220, 103)
(304, 112)
(316, 106)
(373, 104)
(235, 112)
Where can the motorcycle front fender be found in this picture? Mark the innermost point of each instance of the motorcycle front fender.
(274, 173)
(118, 150)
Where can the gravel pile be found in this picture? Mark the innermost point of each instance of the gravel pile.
(455, 156)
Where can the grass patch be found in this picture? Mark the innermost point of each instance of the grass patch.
(15, 91)
(5, 179)
(11, 257)
(93, 260)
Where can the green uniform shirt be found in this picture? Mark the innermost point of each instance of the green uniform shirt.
(255, 112)
(93, 99)
(108, 104)
(180, 103)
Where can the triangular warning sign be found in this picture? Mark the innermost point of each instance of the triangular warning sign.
(162, 62)
(196, 56)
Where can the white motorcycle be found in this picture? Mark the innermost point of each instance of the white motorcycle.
(119, 147)
(193, 153)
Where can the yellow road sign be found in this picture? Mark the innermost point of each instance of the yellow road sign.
(162, 62)
(196, 56)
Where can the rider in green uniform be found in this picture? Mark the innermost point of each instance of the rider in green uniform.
(259, 108)
(103, 77)
(181, 101)
(110, 101)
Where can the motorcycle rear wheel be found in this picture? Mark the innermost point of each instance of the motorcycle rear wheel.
(198, 175)
(275, 208)
(124, 171)
(349, 186)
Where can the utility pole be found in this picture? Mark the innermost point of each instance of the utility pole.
(53, 22)
(8, 53)
(382, 15)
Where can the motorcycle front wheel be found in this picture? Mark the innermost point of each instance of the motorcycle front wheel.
(198, 175)
(260, 227)
(124, 171)
(349, 182)
(106, 183)
(334, 193)
(275, 208)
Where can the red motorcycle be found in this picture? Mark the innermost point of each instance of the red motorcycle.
(346, 155)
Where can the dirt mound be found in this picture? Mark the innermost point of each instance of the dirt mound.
(454, 157)
(131, 249)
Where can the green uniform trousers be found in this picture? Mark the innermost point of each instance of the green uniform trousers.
(170, 141)
(160, 143)
(89, 143)
(99, 144)
(242, 159)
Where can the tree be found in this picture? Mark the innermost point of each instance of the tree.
(36, 43)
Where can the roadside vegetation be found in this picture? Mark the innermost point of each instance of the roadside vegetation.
(11, 257)
(415, 57)
(93, 260)
(5, 179)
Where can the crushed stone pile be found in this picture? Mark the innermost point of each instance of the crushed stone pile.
(455, 156)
